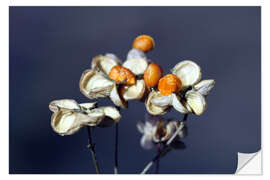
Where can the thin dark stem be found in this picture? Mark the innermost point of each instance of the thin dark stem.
(157, 163)
(116, 150)
(148, 166)
(91, 147)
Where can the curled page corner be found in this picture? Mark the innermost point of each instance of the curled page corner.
(249, 163)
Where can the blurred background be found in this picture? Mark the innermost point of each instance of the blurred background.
(49, 48)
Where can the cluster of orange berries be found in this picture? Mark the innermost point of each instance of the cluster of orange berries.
(167, 84)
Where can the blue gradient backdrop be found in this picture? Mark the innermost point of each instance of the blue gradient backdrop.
(51, 46)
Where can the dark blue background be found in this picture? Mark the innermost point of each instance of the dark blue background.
(51, 46)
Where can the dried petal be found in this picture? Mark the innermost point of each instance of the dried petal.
(136, 62)
(105, 63)
(188, 72)
(204, 87)
(63, 104)
(135, 91)
(146, 142)
(196, 101)
(117, 99)
(177, 104)
(153, 109)
(94, 85)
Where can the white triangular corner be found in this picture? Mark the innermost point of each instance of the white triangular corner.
(249, 163)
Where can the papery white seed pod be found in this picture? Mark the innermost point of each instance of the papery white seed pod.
(105, 63)
(94, 85)
(117, 99)
(178, 105)
(188, 72)
(63, 104)
(204, 87)
(196, 101)
(163, 101)
(65, 121)
(146, 141)
(136, 61)
(153, 109)
(136, 54)
(135, 91)
(88, 106)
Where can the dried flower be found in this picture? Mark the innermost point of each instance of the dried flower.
(191, 99)
(108, 77)
(69, 117)
(155, 129)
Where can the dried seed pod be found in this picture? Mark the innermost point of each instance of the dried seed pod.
(122, 75)
(152, 75)
(188, 72)
(69, 117)
(169, 84)
(105, 63)
(94, 85)
(55, 105)
(204, 87)
(153, 109)
(144, 43)
(135, 91)
(178, 105)
(196, 101)
(117, 99)
(136, 61)
(136, 54)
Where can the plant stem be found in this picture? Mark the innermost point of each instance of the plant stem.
(91, 147)
(157, 163)
(147, 167)
(116, 150)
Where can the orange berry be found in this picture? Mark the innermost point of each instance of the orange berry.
(144, 43)
(152, 75)
(169, 84)
(122, 75)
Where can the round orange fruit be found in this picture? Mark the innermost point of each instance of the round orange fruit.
(169, 84)
(152, 75)
(122, 75)
(144, 43)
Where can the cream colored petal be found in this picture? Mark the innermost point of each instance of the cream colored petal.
(88, 105)
(146, 142)
(137, 66)
(94, 85)
(66, 122)
(105, 63)
(196, 101)
(112, 113)
(178, 105)
(204, 87)
(140, 127)
(135, 91)
(188, 72)
(64, 104)
(171, 127)
(163, 101)
(136, 62)
(154, 109)
(136, 54)
(116, 98)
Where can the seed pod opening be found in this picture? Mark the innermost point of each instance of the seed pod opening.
(105, 63)
(133, 92)
(94, 85)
